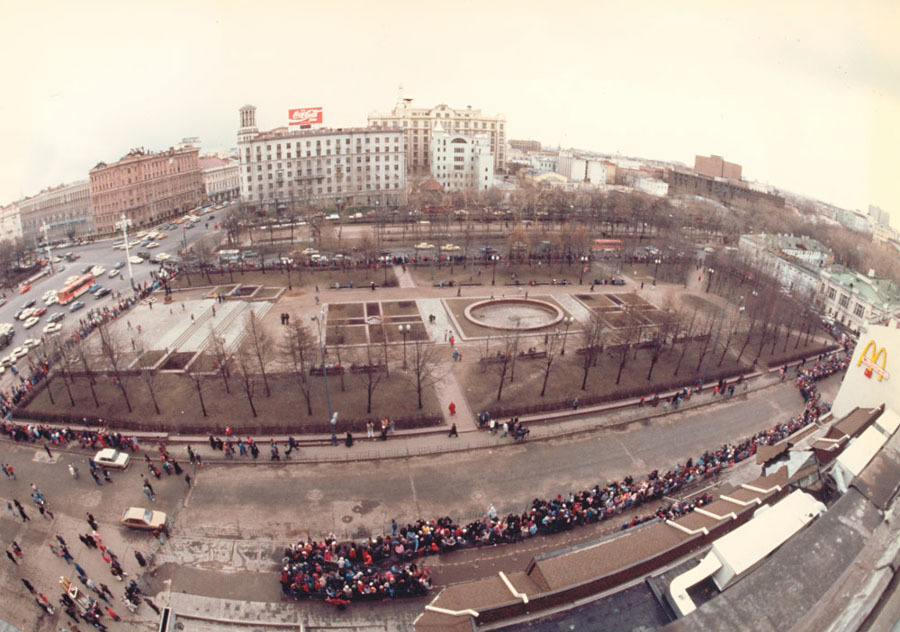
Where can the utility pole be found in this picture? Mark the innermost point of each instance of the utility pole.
(124, 224)
(44, 228)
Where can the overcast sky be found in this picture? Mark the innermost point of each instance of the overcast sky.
(804, 95)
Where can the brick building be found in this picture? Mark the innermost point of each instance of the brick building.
(716, 167)
(730, 192)
(64, 209)
(146, 187)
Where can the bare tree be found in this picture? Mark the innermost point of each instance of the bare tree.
(148, 373)
(551, 350)
(65, 367)
(369, 375)
(503, 362)
(198, 378)
(245, 357)
(87, 365)
(221, 357)
(260, 343)
(592, 339)
(300, 352)
(629, 334)
(425, 367)
(114, 352)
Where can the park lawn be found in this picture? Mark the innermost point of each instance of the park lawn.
(285, 411)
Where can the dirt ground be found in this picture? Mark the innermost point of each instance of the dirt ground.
(285, 409)
(299, 277)
(566, 373)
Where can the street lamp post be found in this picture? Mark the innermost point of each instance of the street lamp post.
(494, 258)
(584, 260)
(332, 417)
(567, 321)
(404, 330)
(710, 272)
(124, 224)
(44, 228)
(656, 268)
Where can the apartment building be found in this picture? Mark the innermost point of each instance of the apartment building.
(461, 162)
(417, 125)
(65, 210)
(856, 300)
(348, 167)
(146, 187)
(10, 223)
(220, 178)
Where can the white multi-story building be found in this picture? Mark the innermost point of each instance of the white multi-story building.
(221, 178)
(417, 124)
(795, 262)
(346, 167)
(857, 300)
(10, 223)
(460, 162)
(651, 186)
(581, 170)
(65, 209)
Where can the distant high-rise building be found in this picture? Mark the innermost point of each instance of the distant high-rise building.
(716, 167)
(460, 161)
(880, 216)
(418, 123)
(146, 187)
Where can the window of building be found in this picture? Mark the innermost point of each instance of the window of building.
(845, 301)
(859, 311)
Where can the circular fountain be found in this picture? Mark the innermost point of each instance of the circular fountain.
(513, 314)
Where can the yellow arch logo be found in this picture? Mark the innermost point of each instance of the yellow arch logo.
(871, 363)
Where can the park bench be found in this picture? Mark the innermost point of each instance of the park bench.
(332, 370)
(366, 368)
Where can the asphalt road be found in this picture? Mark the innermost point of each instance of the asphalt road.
(98, 253)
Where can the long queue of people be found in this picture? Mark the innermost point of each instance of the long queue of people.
(351, 571)
(11, 398)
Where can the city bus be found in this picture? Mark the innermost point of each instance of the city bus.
(75, 289)
(607, 244)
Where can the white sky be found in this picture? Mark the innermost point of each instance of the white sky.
(804, 95)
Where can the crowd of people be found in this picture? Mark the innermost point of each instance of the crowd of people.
(350, 571)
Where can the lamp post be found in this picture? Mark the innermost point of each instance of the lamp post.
(494, 258)
(656, 268)
(404, 330)
(567, 321)
(44, 228)
(332, 417)
(124, 224)
(710, 272)
(584, 260)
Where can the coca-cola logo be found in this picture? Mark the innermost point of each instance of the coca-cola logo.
(305, 115)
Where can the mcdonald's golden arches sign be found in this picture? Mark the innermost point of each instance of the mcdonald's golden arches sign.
(872, 362)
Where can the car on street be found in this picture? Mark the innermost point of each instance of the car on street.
(141, 518)
(424, 245)
(164, 256)
(94, 287)
(58, 316)
(29, 303)
(114, 272)
(102, 292)
(76, 306)
(98, 270)
(24, 288)
(51, 328)
(18, 314)
(119, 265)
(112, 458)
(135, 260)
(18, 353)
(153, 244)
(31, 343)
(39, 311)
(310, 251)
(616, 281)
(31, 322)
(25, 314)
(86, 269)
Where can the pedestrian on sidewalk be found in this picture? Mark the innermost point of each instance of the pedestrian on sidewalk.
(370, 430)
(140, 558)
(12, 558)
(453, 432)
(493, 426)
(452, 408)
(28, 586)
(575, 404)
(16, 549)
(112, 613)
(187, 479)
(150, 603)
(47, 448)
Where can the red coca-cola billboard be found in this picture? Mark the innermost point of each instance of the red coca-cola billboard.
(304, 116)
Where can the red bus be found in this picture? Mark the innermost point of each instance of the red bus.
(607, 244)
(75, 289)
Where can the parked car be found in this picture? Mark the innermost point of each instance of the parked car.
(29, 303)
(112, 458)
(24, 288)
(74, 307)
(102, 292)
(141, 518)
(40, 311)
(616, 281)
(119, 265)
(86, 269)
(58, 316)
(31, 322)
(51, 328)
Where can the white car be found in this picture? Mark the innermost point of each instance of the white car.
(52, 300)
(114, 272)
(31, 343)
(450, 248)
(153, 244)
(424, 246)
(8, 361)
(112, 459)
(52, 328)
(4, 327)
(26, 313)
(31, 322)
(164, 256)
(98, 270)
(18, 352)
(135, 260)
